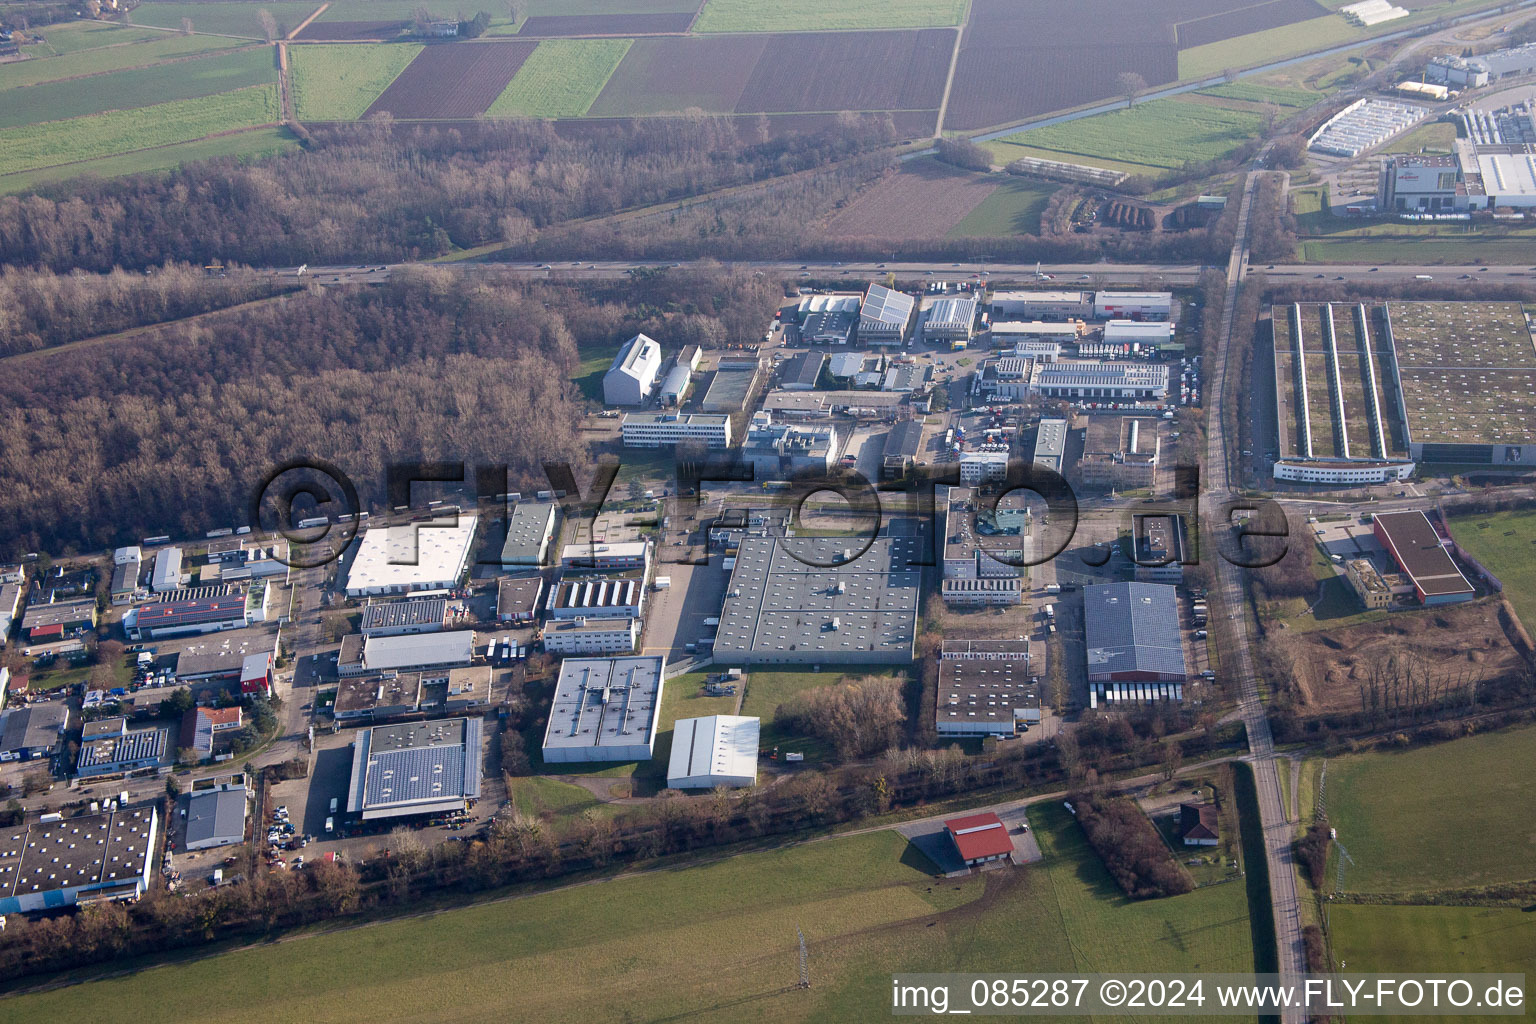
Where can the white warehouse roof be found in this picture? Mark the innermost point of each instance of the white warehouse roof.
(414, 556)
(720, 750)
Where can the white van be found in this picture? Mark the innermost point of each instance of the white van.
(330, 824)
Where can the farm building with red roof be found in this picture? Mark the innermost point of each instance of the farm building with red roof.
(980, 838)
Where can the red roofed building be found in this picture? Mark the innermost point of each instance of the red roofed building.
(979, 838)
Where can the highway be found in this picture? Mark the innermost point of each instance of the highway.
(1237, 660)
(1086, 276)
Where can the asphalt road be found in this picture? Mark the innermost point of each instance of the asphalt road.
(1087, 276)
(1237, 660)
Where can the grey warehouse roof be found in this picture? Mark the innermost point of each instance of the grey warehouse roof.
(415, 768)
(1133, 627)
(778, 606)
(528, 529)
(216, 815)
(606, 702)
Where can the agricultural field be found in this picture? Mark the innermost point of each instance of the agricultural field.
(338, 83)
(1450, 816)
(457, 80)
(112, 58)
(1160, 135)
(257, 142)
(140, 87)
(99, 135)
(1505, 542)
(854, 71)
(238, 18)
(72, 37)
(867, 904)
(1013, 208)
(560, 78)
(1205, 29)
(826, 15)
(669, 74)
(1435, 137)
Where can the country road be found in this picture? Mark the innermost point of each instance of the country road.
(1237, 659)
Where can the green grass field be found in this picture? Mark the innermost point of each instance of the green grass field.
(390, 10)
(1454, 815)
(714, 943)
(140, 87)
(73, 37)
(100, 135)
(114, 58)
(337, 82)
(230, 19)
(255, 143)
(825, 15)
(1506, 544)
(1013, 209)
(561, 78)
(1160, 135)
(1392, 939)
(1252, 92)
(1470, 248)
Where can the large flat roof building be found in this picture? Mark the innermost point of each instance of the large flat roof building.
(591, 636)
(1051, 444)
(33, 730)
(1132, 305)
(951, 319)
(1144, 382)
(52, 620)
(397, 618)
(801, 372)
(1414, 543)
(49, 865)
(407, 653)
(584, 597)
(1042, 305)
(1132, 633)
(413, 556)
(818, 600)
(986, 688)
(629, 379)
(605, 709)
(121, 751)
(530, 528)
(720, 750)
(180, 618)
(415, 768)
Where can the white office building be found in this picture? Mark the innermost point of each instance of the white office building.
(661, 429)
(629, 380)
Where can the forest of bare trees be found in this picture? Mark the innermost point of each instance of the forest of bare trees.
(172, 429)
(378, 191)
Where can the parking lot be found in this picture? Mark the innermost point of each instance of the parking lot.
(675, 616)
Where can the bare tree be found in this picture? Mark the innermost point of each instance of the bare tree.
(517, 10)
(268, 25)
(1131, 85)
(186, 26)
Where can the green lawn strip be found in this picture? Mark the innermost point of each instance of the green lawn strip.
(560, 78)
(139, 87)
(1398, 939)
(87, 138)
(1514, 248)
(826, 15)
(1506, 544)
(1162, 134)
(338, 82)
(1404, 816)
(73, 37)
(1012, 209)
(113, 58)
(231, 19)
(255, 143)
(766, 691)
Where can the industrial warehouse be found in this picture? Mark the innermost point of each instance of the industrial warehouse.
(54, 864)
(605, 709)
(1365, 392)
(987, 688)
(1414, 544)
(720, 750)
(431, 555)
(416, 768)
(810, 601)
(1134, 646)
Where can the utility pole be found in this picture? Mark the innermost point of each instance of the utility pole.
(805, 969)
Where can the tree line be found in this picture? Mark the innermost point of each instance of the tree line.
(1128, 844)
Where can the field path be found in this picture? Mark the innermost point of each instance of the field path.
(949, 79)
(305, 23)
(284, 89)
